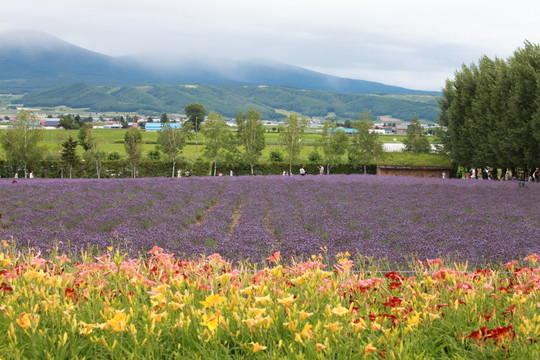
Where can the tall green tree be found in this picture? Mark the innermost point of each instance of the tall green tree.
(365, 146)
(523, 104)
(69, 156)
(195, 113)
(171, 141)
(164, 119)
(21, 142)
(82, 135)
(490, 111)
(218, 139)
(416, 141)
(251, 136)
(133, 147)
(334, 143)
(93, 153)
(291, 134)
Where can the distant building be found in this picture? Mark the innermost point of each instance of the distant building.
(157, 126)
(51, 123)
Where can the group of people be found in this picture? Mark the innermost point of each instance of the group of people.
(303, 171)
(486, 174)
(186, 173)
(16, 176)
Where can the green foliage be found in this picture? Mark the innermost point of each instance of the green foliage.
(491, 112)
(227, 100)
(171, 141)
(416, 141)
(251, 135)
(365, 145)
(133, 147)
(195, 113)
(154, 154)
(83, 134)
(291, 133)
(113, 156)
(218, 140)
(314, 157)
(275, 156)
(21, 142)
(334, 143)
(69, 154)
(164, 118)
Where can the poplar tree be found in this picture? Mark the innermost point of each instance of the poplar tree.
(171, 141)
(334, 143)
(291, 133)
(133, 147)
(365, 145)
(251, 136)
(218, 139)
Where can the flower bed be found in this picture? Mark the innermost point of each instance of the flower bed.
(160, 306)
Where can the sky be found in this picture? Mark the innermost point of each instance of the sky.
(416, 44)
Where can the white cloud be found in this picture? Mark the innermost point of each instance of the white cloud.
(415, 44)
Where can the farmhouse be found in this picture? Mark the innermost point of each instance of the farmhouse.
(416, 171)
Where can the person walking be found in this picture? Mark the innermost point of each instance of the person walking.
(302, 171)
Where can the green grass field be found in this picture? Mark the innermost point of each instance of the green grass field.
(112, 140)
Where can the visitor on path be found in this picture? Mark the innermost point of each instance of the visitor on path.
(231, 173)
(187, 173)
(302, 171)
(31, 176)
(321, 169)
(179, 173)
(284, 173)
(16, 176)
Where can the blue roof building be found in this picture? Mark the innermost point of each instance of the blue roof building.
(157, 126)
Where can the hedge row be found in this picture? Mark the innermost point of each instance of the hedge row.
(155, 168)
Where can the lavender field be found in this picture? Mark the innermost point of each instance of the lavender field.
(393, 218)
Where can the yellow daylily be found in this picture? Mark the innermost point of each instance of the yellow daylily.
(263, 300)
(212, 321)
(335, 326)
(213, 301)
(369, 349)
(304, 315)
(118, 322)
(257, 347)
(287, 302)
(25, 320)
(340, 310)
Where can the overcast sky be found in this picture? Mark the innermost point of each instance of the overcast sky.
(415, 44)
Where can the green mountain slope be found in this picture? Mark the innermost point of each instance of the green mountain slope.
(229, 99)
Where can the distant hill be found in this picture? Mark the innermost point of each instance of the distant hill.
(31, 61)
(229, 99)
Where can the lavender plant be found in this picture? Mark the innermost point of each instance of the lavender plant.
(394, 218)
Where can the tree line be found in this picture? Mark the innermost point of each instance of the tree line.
(491, 112)
(222, 147)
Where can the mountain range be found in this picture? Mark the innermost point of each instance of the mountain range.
(52, 72)
(32, 60)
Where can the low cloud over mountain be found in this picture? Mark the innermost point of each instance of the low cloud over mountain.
(31, 61)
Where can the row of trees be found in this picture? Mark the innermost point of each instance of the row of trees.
(221, 146)
(491, 111)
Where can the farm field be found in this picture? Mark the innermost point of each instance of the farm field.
(325, 267)
(392, 218)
